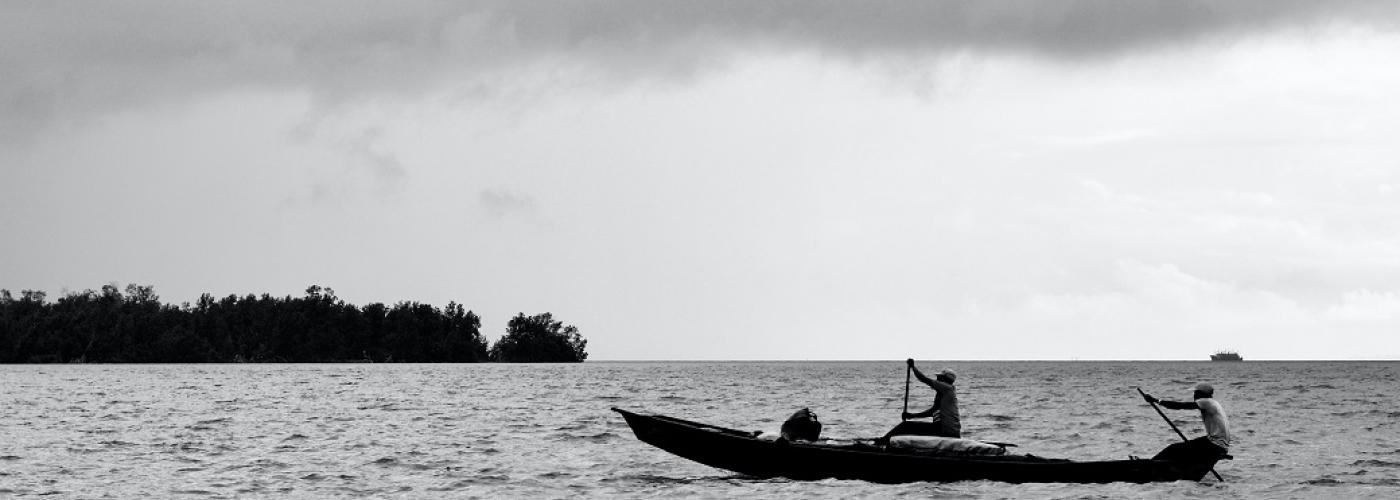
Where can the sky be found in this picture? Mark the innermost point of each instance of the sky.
(790, 180)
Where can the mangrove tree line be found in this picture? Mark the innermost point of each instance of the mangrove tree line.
(108, 326)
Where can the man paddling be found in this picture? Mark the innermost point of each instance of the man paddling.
(945, 405)
(1216, 442)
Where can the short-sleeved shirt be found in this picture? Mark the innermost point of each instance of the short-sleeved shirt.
(947, 403)
(1216, 422)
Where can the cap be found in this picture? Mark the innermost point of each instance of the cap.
(1205, 388)
(949, 373)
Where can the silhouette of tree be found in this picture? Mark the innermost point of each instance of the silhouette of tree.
(108, 326)
(539, 339)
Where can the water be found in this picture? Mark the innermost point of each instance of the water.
(1302, 430)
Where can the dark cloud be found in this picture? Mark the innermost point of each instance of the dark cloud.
(70, 58)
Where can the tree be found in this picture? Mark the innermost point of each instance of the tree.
(108, 327)
(539, 339)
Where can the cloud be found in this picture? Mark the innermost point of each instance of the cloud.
(1095, 140)
(1366, 305)
(65, 60)
(501, 203)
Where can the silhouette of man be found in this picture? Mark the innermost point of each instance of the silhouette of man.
(945, 404)
(1216, 442)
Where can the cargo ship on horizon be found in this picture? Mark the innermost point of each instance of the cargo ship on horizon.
(1226, 356)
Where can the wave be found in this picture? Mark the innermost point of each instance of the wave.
(1378, 413)
(481, 479)
(394, 462)
(650, 478)
(208, 425)
(657, 479)
(316, 476)
(1376, 463)
(261, 464)
(599, 438)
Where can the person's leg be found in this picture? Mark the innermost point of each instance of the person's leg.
(914, 428)
(1207, 448)
(1194, 449)
(1174, 451)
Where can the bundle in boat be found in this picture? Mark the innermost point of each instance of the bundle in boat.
(946, 445)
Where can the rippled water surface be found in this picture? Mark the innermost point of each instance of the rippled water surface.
(1302, 430)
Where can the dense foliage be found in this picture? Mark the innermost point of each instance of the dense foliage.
(539, 339)
(108, 326)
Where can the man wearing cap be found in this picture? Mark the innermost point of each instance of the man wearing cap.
(1217, 438)
(945, 405)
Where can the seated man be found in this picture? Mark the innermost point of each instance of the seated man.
(944, 410)
(1215, 443)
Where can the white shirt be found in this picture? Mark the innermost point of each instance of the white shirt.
(1217, 424)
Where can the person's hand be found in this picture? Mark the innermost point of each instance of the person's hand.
(909, 362)
(1148, 398)
(905, 415)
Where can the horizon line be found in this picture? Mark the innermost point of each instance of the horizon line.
(1073, 360)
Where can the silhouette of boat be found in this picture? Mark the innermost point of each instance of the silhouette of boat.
(1226, 356)
(743, 452)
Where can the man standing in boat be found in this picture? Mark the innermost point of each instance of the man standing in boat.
(1217, 439)
(945, 405)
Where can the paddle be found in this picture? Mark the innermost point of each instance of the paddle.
(907, 370)
(1178, 431)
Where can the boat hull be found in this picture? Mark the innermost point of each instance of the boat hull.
(740, 452)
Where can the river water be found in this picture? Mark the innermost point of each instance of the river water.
(1302, 429)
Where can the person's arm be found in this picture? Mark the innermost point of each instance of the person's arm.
(1171, 405)
(935, 384)
(1178, 405)
(922, 378)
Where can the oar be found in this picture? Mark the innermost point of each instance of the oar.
(1178, 431)
(907, 370)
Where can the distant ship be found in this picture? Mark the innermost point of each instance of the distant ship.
(1226, 356)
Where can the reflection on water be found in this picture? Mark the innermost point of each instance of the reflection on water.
(1302, 430)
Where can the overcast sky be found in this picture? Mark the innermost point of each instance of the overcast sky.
(1115, 179)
